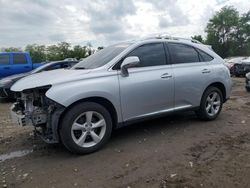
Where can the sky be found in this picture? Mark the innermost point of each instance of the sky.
(104, 22)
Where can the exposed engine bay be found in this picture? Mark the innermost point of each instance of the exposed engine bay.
(33, 108)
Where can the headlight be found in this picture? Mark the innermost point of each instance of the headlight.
(5, 81)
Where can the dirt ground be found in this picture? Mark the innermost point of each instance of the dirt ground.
(175, 151)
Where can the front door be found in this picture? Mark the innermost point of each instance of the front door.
(149, 88)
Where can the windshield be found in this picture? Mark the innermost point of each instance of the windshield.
(101, 57)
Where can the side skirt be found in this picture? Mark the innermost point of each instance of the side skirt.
(154, 116)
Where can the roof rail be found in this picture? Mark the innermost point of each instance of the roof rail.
(165, 36)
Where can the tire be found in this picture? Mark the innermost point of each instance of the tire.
(206, 113)
(83, 133)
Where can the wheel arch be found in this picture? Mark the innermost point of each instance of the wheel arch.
(99, 100)
(221, 87)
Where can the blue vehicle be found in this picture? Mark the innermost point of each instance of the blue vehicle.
(7, 82)
(15, 63)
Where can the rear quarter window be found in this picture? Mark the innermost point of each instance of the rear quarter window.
(204, 56)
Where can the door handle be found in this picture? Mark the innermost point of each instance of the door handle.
(166, 75)
(204, 71)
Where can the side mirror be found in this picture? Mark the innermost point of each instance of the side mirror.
(129, 62)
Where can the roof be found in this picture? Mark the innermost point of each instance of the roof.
(171, 38)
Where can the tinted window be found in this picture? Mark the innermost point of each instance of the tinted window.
(19, 59)
(4, 59)
(150, 55)
(204, 56)
(183, 54)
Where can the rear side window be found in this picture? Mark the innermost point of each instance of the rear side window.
(19, 59)
(150, 54)
(181, 53)
(4, 59)
(204, 56)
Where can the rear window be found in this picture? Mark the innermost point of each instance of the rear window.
(4, 59)
(181, 53)
(19, 59)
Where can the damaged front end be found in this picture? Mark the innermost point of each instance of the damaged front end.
(34, 108)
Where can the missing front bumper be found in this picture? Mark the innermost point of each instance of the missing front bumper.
(18, 118)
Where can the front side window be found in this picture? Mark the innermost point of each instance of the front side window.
(4, 59)
(150, 55)
(182, 53)
(19, 59)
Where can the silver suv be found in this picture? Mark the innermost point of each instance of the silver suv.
(118, 85)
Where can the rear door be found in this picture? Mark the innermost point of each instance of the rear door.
(5, 67)
(192, 72)
(21, 63)
(148, 89)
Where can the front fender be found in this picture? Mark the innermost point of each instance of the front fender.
(106, 87)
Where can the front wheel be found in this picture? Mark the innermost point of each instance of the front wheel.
(211, 104)
(85, 128)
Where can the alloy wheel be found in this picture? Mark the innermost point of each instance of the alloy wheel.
(88, 129)
(213, 103)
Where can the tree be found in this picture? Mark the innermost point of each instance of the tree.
(64, 50)
(198, 38)
(90, 50)
(79, 52)
(11, 49)
(37, 52)
(228, 32)
(242, 37)
(53, 53)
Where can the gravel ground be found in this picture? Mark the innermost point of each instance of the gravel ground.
(175, 151)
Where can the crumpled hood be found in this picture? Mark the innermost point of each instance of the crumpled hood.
(49, 78)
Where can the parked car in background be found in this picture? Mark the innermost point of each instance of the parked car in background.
(240, 69)
(7, 82)
(121, 84)
(246, 65)
(248, 82)
(15, 63)
(234, 65)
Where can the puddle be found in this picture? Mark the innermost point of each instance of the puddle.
(14, 154)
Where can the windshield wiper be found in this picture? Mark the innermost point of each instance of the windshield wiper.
(78, 68)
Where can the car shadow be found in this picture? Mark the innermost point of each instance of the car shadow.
(169, 123)
(128, 133)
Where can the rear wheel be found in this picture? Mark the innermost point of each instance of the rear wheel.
(211, 104)
(85, 128)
